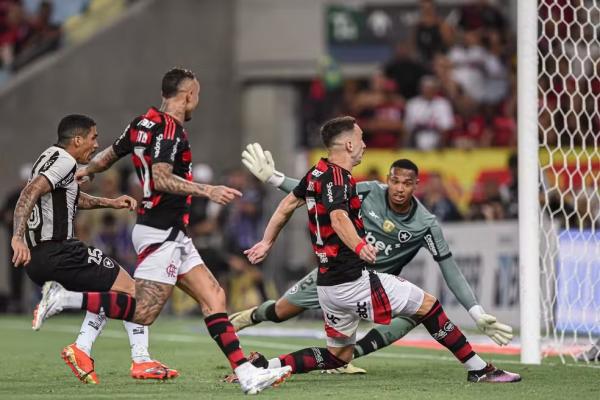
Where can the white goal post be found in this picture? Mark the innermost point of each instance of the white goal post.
(558, 50)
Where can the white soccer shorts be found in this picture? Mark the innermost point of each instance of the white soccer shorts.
(163, 255)
(373, 297)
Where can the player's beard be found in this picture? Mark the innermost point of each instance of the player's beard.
(188, 116)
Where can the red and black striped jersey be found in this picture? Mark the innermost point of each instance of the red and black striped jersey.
(156, 137)
(327, 187)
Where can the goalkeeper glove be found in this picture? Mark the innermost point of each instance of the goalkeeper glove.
(498, 332)
(261, 164)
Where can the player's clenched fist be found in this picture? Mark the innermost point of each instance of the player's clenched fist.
(223, 194)
(258, 252)
(124, 202)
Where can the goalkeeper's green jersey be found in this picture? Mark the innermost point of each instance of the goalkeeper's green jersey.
(398, 237)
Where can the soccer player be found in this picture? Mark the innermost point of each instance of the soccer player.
(44, 217)
(345, 290)
(161, 154)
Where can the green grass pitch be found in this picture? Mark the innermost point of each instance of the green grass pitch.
(31, 368)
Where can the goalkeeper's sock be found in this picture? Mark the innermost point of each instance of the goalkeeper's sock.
(383, 335)
(450, 336)
(306, 360)
(265, 312)
(221, 330)
(90, 330)
(138, 341)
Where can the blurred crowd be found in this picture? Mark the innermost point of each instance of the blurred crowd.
(25, 35)
(448, 85)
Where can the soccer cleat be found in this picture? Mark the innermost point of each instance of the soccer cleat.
(491, 374)
(346, 369)
(256, 359)
(263, 379)
(242, 319)
(152, 370)
(80, 363)
(49, 305)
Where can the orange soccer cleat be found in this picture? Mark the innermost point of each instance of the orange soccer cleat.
(80, 363)
(152, 370)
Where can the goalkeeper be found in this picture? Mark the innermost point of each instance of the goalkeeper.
(398, 225)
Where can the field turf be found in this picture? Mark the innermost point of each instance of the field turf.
(31, 368)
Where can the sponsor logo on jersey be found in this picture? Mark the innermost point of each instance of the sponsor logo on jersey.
(431, 244)
(293, 289)
(372, 214)
(159, 139)
(316, 173)
(388, 226)
(322, 258)
(49, 162)
(142, 137)
(378, 244)
(330, 192)
(146, 123)
(404, 236)
(311, 186)
(175, 149)
(67, 180)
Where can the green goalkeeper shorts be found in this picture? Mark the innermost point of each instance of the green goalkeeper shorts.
(304, 292)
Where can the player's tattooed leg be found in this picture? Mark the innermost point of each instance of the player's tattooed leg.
(151, 296)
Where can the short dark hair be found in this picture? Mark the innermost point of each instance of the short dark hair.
(74, 125)
(334, 127)
(405, 163)
(172, 80)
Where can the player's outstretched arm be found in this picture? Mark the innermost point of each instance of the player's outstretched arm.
(500, 333)
(280, 217)
(100, 163)
(166, 181)
(87, 202)
(30, 194)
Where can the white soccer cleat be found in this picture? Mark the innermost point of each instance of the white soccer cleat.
(242, 319)
(49, 305)
(263, 379)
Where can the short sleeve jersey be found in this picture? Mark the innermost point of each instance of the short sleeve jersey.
(156, 137)
(53, 214)
(325, 188)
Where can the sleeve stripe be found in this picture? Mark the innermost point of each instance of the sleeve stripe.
(337, 176)
(169, 127)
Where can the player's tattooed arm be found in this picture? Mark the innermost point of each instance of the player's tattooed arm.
(166, 181)
(102, 161)
(87, 202)
(38, 187)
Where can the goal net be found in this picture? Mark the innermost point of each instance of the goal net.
(569, 158)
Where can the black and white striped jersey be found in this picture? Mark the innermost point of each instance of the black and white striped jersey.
(53, 214)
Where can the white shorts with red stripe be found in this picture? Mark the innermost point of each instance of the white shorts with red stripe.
(163, 255)
(373, 297)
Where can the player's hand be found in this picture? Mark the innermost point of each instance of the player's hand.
(368, 253)
(82, 176)
(258, 252)
(500, 333)
(21, 252)
(223, 194)
(124, 202)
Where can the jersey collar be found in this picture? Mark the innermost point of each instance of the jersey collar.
(408, 216)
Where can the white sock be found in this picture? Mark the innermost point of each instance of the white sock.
(138, 340)
(274, 363)
(475, 363)
(90, 330)
(244, 371)
(72, 299)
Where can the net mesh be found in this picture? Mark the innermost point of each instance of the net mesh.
(569, 133)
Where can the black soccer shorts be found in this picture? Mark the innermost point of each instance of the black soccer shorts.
(73, 264)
